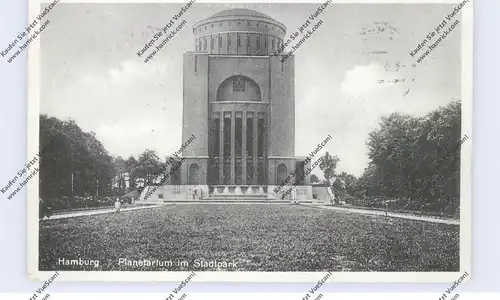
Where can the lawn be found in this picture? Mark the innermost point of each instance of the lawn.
(256, 237)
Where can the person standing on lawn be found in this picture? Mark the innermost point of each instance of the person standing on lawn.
(41, 209)
(118, 205)
(295, 199)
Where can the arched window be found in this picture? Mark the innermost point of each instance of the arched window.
(176, 173)
(299, 173)
(281, 174)
(239, 88)
(194, 174)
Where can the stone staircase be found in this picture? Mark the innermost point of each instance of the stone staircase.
(234, 193)
(154, 195)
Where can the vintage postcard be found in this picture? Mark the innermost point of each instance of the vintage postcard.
(314, 141)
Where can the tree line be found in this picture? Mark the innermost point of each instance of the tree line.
(76, 170)
(414, 163)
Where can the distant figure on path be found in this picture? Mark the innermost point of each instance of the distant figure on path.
(295, 199)
(118, 205)
(44, 210)
(41, 208)
(331, 194)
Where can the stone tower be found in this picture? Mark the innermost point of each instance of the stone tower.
(239, 103)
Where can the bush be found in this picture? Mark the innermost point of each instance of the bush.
(440, 206)
(65, 203)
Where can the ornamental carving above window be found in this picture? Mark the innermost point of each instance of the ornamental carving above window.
(238, 84)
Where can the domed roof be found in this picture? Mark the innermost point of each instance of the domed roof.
(239, 20)
(240, 12)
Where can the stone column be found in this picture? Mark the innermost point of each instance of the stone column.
(221, 148)
(255, 145)
(233, 145)
(244, 149)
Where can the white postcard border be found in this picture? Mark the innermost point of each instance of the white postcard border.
(416, 277)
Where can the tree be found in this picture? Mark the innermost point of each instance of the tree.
(345, 182)
(328, 166)
(149, 167)
(72, 162)
(416, 159)
(350, 183)
(120, 179)
(314, 178)
(131, 167)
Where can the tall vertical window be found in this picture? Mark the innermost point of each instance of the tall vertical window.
(213, 170)
(260, 141)
(228, 41)
(249, 171)
(238, 136)
(226, 172)
(261, 173)
(220, 41)
(227, 137)
(204, 43)
(272, 45)
(216, 137)
(258, 41)
(238, 39)
(238, 176)
(265, 43)
(212, 42)
(249, 137)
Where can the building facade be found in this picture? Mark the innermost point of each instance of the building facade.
(239, 103)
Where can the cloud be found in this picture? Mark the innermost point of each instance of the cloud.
(365, 80)
(132, 138)
(129, 107)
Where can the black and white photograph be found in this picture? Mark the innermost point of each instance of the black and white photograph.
(305, 142)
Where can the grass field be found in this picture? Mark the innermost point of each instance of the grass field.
(257, 237)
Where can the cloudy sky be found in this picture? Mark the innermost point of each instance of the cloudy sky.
(91, 73)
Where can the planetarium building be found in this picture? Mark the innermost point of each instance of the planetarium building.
(239, 104)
